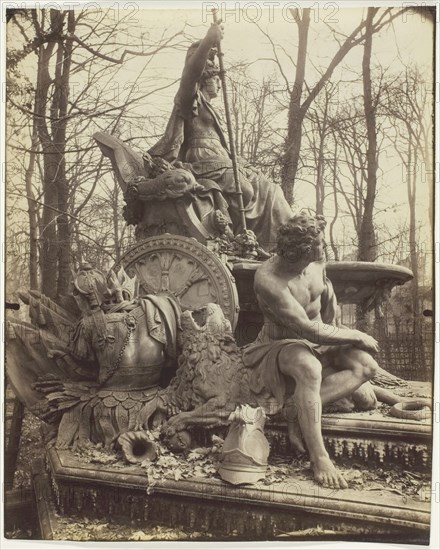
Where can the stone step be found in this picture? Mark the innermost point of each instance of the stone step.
(209, 505)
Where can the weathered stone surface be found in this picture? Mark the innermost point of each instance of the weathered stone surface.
(182, 268)
(364, 283)
(259, 512)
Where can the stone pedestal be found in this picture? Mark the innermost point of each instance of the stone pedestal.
(257, 512)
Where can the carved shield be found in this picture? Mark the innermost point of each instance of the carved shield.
(183, 268)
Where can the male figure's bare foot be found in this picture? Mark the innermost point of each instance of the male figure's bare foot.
(326, 474)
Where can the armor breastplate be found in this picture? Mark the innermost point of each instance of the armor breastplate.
(128, 358)
(203, 131)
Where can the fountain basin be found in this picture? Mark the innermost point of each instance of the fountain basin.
(362, 283)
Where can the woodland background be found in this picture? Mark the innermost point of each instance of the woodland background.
(335, 105)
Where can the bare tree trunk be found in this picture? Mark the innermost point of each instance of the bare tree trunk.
(55, 256)
(48, 232)
(429, 173)
(411, 189)
(335, 198)
(32, 211)
(296, 114)
(366, 250)
(62, 94)
(320, 182)
(77, 258)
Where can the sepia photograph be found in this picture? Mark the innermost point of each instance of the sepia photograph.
(219, 273)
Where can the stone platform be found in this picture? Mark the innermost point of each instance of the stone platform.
(369, 440)
(208, 505)
(378, 440)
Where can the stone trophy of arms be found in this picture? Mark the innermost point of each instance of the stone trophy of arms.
(94, 366)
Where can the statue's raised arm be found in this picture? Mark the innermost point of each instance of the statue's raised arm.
(199, 59)
(194, 136)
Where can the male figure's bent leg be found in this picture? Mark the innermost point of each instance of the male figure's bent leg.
(298, 363)
(354, 368)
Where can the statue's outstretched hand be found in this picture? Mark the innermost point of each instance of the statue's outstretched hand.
(367, 342)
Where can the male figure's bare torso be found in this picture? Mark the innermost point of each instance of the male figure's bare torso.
(306, 288)
(299, 309)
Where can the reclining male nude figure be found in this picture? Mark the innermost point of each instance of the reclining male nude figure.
(301, 361)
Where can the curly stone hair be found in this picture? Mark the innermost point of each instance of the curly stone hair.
(297, 237)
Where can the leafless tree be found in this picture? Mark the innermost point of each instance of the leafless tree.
(302, 95)
(78, 54)
(408, 104)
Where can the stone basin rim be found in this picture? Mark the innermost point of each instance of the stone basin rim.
(349, 267)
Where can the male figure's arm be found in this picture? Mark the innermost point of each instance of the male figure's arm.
(329, 303)
(329, 309)
(282, 306)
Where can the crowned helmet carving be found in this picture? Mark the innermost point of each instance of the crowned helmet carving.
(121, 286)
(91, 288)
